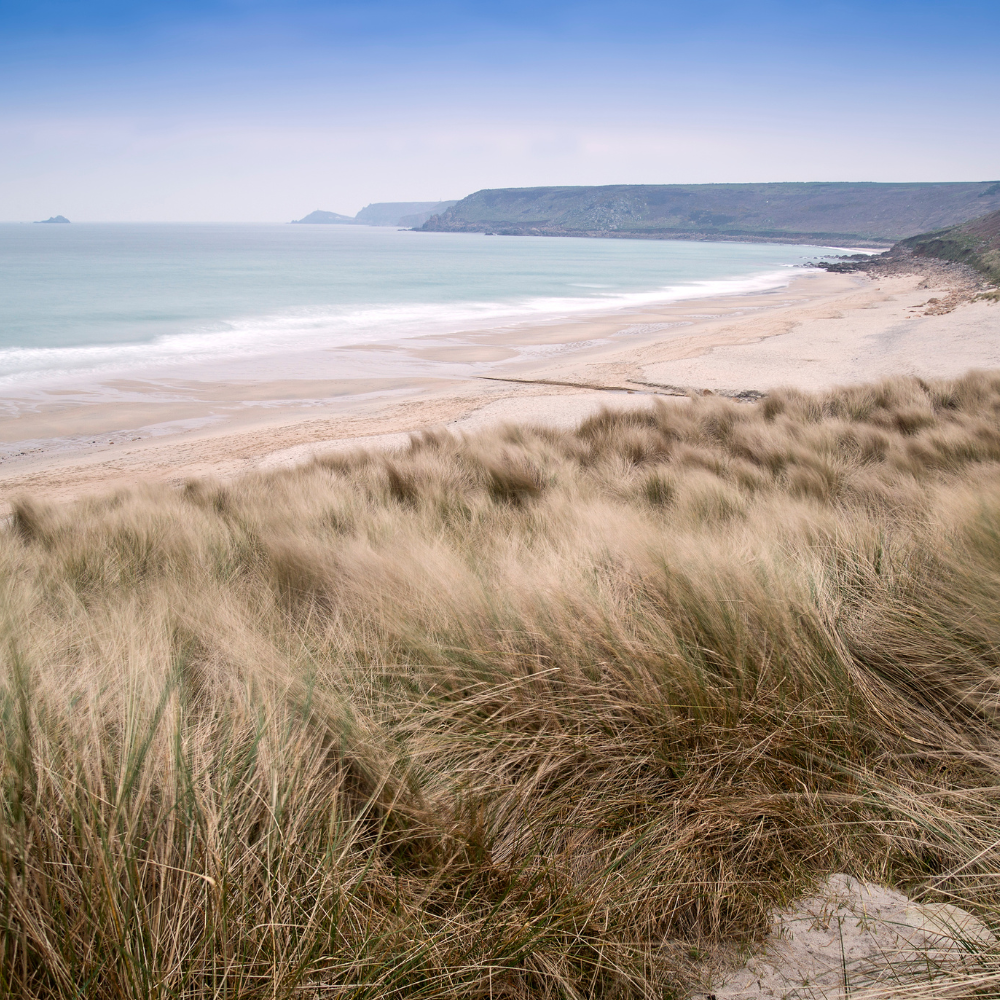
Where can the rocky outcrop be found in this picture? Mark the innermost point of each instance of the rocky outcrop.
(975, 243)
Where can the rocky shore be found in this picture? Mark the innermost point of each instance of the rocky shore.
(963, 282)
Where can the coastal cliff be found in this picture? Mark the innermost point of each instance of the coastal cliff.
(864, 214)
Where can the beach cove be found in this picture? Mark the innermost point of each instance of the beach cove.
(811, 330)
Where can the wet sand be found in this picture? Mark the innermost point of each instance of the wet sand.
(820, 331)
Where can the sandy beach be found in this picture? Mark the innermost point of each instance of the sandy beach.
(820, 331)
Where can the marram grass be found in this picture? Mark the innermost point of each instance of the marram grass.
(528, 714)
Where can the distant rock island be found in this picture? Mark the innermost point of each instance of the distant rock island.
(55, 218)
(410, 214)
(862, 214)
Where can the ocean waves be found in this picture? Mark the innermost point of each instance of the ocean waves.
(307, 331)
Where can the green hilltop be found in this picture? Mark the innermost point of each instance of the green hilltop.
(859, 213)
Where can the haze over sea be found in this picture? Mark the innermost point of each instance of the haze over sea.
(95, 301)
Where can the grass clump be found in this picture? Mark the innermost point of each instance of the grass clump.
(530, 714)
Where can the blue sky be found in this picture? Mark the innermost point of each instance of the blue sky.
(256, 110)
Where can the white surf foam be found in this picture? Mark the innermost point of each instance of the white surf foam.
(309, 330)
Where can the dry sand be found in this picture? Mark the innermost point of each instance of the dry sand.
(822, 330)
(861, 940)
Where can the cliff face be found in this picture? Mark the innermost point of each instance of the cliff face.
(976, 243)
(875, 214)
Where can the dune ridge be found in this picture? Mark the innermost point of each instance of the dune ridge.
(526, 713)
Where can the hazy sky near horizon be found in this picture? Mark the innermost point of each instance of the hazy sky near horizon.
(256, 110)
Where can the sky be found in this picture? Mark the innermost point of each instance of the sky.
(255, 110)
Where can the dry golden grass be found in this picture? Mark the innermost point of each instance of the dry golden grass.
(535, 713)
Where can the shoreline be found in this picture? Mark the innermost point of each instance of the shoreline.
(820, 330)
(316, 339)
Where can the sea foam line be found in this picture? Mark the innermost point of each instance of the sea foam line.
(305, 330)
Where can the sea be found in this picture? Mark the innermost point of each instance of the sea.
(92, 301)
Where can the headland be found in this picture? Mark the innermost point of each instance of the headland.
(862, 214)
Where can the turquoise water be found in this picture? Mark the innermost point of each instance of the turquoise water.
(103, 299)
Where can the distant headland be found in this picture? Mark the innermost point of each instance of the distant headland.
(55, 218)
(324, 219)
(411, 214)
(858, 214)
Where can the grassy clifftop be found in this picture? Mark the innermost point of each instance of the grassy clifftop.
(976, 243)
(793, 212)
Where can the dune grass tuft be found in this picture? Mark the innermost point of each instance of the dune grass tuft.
(530, 714)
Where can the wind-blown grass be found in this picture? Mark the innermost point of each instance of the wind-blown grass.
(533, 713)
